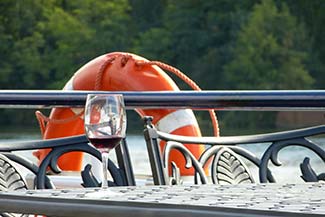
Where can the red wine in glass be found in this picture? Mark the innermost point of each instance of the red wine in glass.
(106, 143)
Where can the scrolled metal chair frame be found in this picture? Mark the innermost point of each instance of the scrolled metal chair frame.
(159, 160)
(122, 174)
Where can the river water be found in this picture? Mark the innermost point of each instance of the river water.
(291, 157)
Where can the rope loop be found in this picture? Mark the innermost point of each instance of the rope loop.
(100, 73)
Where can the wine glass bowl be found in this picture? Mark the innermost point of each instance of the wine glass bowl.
(105, 124)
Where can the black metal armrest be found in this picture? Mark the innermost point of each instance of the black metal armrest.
(226, 149)
(247, 139)
(42, 144)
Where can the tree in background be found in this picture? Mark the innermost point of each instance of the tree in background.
(42, 43)
(147, 14)
(312, 13)
(65, 38)
(76, 33)
(20, 60)
(195, 36)
(270, 53)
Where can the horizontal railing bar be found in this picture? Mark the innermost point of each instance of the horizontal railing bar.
(220, 100)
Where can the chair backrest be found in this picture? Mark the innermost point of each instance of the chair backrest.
(226, 167)
(226, 160)
(122, 173)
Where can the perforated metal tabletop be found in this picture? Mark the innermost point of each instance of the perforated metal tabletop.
(194, 200)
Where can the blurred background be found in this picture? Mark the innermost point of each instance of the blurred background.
(221, 45)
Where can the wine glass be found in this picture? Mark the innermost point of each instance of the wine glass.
(105, 124)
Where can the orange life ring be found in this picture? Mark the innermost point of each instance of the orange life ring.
(120, 72)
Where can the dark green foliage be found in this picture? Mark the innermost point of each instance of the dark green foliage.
(195, 36)
(312, 14)
(270, 51)
(267, 44)
(44, 42)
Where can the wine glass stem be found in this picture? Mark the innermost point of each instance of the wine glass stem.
(105, 165)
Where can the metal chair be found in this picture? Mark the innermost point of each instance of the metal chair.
(227, 161)
(122, 174)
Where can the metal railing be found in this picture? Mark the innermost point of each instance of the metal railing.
(220, 100)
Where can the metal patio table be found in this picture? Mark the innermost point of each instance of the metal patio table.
(268, 199)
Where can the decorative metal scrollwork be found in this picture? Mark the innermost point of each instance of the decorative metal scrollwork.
(230, 169)
(227, 166)
(52, 159)
(50, 162)
(272, 154)
(10, 178)
(226, 159)
(191, 161)
(308, 174)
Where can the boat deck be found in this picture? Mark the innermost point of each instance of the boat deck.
(193, 200)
